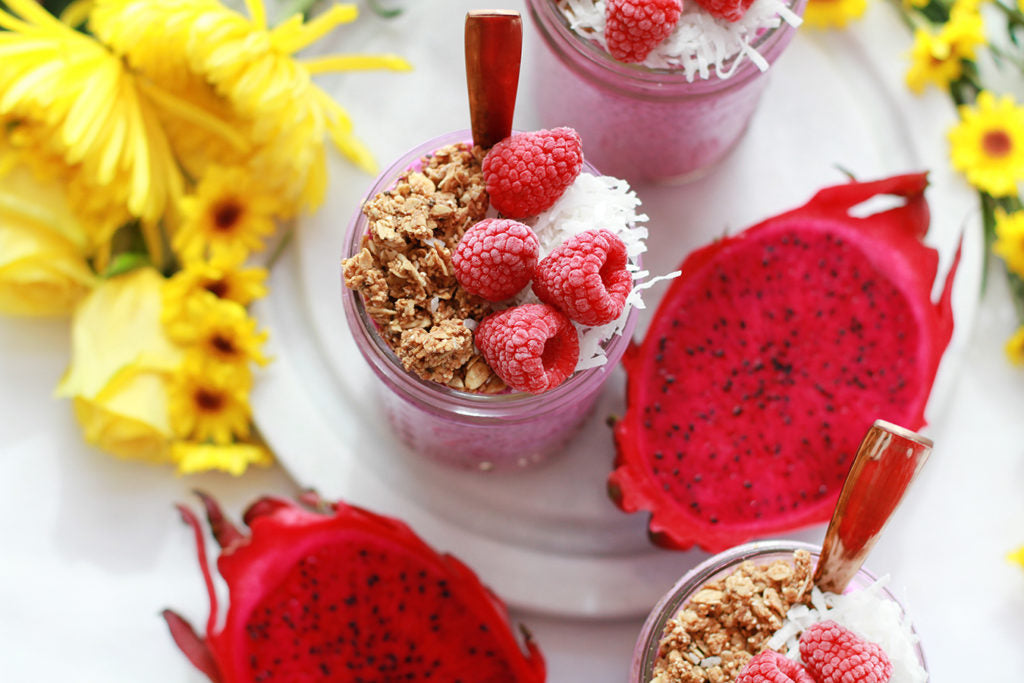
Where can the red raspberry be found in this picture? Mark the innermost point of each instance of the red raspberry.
(532, 347)
(834, 654)
(495, 258)
(585, 277)
(730, 10)
(527, 173)
(635, 27)
(772, 667)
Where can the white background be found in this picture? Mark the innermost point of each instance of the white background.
(91, 549)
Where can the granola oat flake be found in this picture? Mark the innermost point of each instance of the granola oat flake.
(731, 619)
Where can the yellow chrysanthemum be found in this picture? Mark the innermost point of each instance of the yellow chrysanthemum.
(227, 216)
(88, 110)
(223, 277)
(232, 458)
(1015, 347)
(833, 13)
(938, 58)
(988, 144)
(241, 71)
(210, 401)
(1009, 242)
(221, 331)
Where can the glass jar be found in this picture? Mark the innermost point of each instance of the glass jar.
(719, 566)
(470, 430)
(640, 123)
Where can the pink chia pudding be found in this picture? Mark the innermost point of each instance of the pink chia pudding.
(676, 114)
(416, 324)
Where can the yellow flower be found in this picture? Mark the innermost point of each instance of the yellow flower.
(232, 458)
(938, 58)
(1017, 556)
(120, 362)
(244, 73)
(962, 8)
(42, 268)
(222, 331)
(210, 401)
(227, 217)
(93, 113)
(1009, 242)
(99, 211)
(988, 144)
(1015, 347)
(833, 13)
(222, 277)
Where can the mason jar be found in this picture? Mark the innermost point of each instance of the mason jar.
(471, 430)
(719, 566)
(641, 123)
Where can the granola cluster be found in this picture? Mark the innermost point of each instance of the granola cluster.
(730, 620)
(404, 270)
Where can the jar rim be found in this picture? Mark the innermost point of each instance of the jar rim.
(426, 393)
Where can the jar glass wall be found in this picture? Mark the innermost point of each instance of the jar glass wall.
(640, 123)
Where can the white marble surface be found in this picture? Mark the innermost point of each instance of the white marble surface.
(91, 549)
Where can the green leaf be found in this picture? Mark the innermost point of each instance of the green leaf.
(385, 12)
(124, 262)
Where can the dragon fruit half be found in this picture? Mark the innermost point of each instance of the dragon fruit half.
(768, 360)
(331, 592)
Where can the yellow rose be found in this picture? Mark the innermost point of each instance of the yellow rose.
(120, 362)
(42, 268)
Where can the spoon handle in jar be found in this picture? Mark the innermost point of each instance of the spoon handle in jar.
(494, 46)
(887, 461)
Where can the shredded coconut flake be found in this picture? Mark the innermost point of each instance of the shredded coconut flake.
(597, 202)
(701, 44)
(866, 612)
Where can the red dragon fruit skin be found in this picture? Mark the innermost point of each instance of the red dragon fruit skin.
(770, 357)
(338, 593)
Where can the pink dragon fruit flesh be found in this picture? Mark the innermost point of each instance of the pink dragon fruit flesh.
(768, 360)
(331, 592)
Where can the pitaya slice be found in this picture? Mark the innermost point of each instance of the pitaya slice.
(768, 360)
(338, 593)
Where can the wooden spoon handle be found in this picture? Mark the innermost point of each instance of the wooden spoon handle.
(888, 460)
(494, 48)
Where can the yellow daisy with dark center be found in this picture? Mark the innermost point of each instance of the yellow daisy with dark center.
(228, 217)
(938, 58)
(224, 276)
(988, 144)
(209, 401)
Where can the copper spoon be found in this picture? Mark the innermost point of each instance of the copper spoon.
(494, 48)
(888, 460)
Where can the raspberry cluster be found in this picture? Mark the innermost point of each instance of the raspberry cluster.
(830, 654)
(535, 347)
